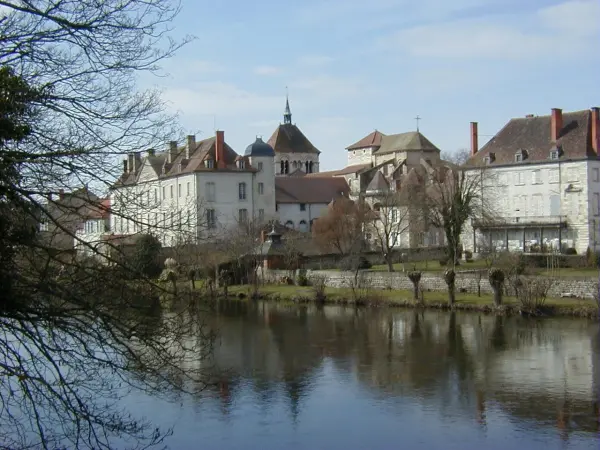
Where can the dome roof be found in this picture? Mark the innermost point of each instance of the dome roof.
(260, 148)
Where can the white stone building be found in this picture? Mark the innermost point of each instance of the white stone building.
(195, 191)
(542, 178)
(294, 153)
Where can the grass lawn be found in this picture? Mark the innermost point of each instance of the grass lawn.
(285, 292)
(434, 266)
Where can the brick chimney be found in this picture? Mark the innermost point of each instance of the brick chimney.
(596, 129)
(172, 152)
(130, 162)
(474, 139)
(556, 124)
(191, 146)
(263, 236)
(220, 149)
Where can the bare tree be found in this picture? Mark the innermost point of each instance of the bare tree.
(78, 335)
(453, 197)
(396, 215)
(341, 228)
(458, 157)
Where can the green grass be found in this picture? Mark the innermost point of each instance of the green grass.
(286, 292)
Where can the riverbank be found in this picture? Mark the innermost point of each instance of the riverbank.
(403, 299)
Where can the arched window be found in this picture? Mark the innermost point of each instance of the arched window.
(287, 167)
(282, 167)
(303, 226)
(289, 224)
(295, 165)
(306, 167)
(310, 167)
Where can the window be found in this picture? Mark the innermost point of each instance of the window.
(289, 224)
(242, 191)
(209, 163)
(553, 176)
(518, 157)
(211, 221)
(164, 193)
(276, 206)
(210, 192)
(596, 204)
(536, 177)
(302, 206)
(536, 205)
(243, 215)
(519, 178)
(171, 190)
(147, 197)
(164, 220)
(241, 164)
(261, 188)
(187, 194)
(303, 226)
(554, 154)
(261, 215)
(596, 175)
(172, 223)
(179, 190)
(394, 215)
(155, 195)
(260, 166)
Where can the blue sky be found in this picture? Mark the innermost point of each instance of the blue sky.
(355, 65)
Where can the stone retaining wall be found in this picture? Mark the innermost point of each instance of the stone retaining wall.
(465, 281)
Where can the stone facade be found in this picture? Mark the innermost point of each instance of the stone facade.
(465, 282)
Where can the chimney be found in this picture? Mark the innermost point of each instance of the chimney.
(556, 124)
(125, 166)
(219, 149)
(61, 194)
(191, 146)
(474, 139)
(596, 129)
(172, 152)
(130, 159)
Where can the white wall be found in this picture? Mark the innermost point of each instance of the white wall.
(292, 212)
(266, 176)
(360, 156)
(515, 192)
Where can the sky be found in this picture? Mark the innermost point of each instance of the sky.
(352, 66)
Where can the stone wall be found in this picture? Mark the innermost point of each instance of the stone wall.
(466, 281)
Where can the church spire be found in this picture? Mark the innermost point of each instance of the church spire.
(287, 114)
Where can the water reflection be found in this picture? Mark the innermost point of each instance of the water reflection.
(307, 377)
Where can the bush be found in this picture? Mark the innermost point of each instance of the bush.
(443, 262)
(302, 279)
(468, 255)
(354, 262)
(145, 259)
(318, 287)
(570, 251)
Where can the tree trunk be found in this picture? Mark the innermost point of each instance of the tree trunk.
(193, 284)
(388, 260)
(416, 291)
(497, 295)
(174, 283)
(451, 295)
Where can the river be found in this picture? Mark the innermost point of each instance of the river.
(302, 377)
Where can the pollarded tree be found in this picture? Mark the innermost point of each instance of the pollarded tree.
(73, 330)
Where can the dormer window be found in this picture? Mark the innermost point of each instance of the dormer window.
(241, 164)
(209, 164)
(555, 153)
(489, 158)
(520, 156)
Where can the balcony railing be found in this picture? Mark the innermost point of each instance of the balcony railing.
(521, 221)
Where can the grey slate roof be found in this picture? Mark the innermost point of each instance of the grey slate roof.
(532, 134)
(412, 140)
(288, 138)
(259, 148)
(378, 183)
(309, 189)
(371, 140)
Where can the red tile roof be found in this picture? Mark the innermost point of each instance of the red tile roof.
(371, 140)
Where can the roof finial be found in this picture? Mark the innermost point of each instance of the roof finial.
(417, 119)
(287, 114)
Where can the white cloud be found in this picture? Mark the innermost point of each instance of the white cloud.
(267, 70)
(324, 87)
(314, 60)
(540, 35)
(220, 99)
